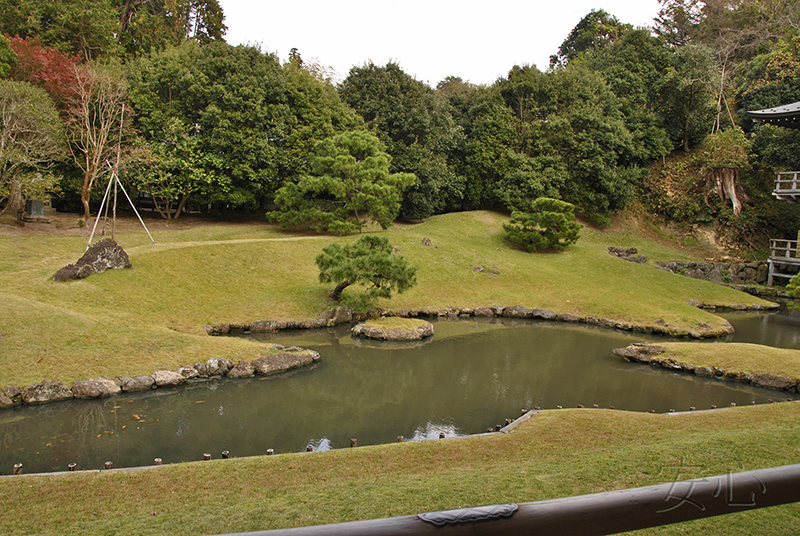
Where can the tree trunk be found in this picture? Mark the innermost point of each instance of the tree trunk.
(336, 294)
(86, 192)
(729, 187)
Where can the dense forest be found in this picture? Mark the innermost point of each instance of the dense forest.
(650, 117)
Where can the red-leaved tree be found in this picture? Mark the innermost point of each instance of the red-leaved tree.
(45, 67)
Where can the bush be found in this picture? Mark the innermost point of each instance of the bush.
(549, 225)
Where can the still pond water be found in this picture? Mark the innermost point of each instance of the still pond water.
(468, 377)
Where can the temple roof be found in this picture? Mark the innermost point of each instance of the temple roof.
(784, 116)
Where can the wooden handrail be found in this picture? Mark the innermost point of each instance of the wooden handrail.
(784, 249)
(602, 513)
(790, 183)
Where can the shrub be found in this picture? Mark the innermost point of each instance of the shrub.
(549, 225)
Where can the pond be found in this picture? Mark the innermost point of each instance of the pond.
(471, 376)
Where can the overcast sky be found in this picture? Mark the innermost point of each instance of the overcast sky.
(429, 39)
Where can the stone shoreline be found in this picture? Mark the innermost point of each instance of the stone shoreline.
(340, 315)
(652, 354)
(214, 368)
(49, 391)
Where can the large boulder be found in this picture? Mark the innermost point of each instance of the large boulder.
(167, 378)
(96, 388)
(213, 367)
(517, 311)
(337, 315)
(188, 372)
(270, 364)
(47, 391)
(103, 255)
(137, 383)
(242, 369)
(639, 352)
(772, 381)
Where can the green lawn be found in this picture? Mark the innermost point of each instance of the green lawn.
(135, 321)
(556, 453)
(126, 322)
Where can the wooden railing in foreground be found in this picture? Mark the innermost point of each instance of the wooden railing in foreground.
(602, 513)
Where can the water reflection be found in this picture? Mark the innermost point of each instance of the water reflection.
(470, 376)
(780, 329)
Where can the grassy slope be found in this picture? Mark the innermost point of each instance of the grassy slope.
(556, 453)
(127, 322)
(738, 357)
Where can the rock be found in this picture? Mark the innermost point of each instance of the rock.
(427, 241)
(311, 324)
(622, 252)
(5, 401)
(217, 367)
(566, 317)
(668, 363)
(12, 392)
(337, 315)
(641, 259)
(96, 388)
(103, 255)
(772, 381)
(396, 250)
(221, 328)
(544, 314)
(425, 329)
(482, 311)
(47, 391)
(167, 378)
(703, 371)
(271, 364)
(267, 326)
(242, 369)
(517, 311)
(138, 383)
(762, 274)
(640, 353)
(715, 276)
(188, 372)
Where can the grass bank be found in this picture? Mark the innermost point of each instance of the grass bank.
(127, 322)
(556, 453)
(136, 321)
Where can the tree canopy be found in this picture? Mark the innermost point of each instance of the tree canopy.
(369, 262)
(32, 141)
(348, 182)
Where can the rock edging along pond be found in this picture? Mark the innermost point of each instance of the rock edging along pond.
(52, 391)
(48, 391)
(340, 315)
(653, 354)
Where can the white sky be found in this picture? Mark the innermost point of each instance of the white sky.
(478, 41)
